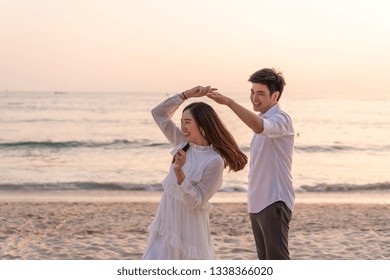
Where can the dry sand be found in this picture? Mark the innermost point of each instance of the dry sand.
(101, 226)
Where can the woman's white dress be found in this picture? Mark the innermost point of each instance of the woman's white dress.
(180, 229)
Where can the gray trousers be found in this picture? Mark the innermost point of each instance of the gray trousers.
(270, 229)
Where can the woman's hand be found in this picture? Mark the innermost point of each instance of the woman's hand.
(180, 160)
(198, 91)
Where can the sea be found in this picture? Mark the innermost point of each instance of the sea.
(109, 141)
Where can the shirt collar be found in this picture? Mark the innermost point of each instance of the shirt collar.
(271, 111)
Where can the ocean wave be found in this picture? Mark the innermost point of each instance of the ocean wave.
(142, 143)
(118, 143)
(68, 186)
(383, 186)
(339, 148)
(85, 186)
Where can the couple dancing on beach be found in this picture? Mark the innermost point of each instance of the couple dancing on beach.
(203, 148)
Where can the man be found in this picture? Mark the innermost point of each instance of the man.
(270, 190)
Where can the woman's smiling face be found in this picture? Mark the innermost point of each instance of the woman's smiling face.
(191, 129)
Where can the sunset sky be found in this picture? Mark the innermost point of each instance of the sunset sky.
(322, 47)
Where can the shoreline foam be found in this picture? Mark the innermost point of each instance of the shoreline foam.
(377, 197)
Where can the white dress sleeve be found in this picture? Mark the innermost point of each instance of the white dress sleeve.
(195, 195)
(163, 114)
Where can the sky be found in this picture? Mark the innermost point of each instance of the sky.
(322, 47)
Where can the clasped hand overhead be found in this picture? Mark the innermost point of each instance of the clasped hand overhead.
(199, 91)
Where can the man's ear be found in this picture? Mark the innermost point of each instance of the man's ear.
(275, 96)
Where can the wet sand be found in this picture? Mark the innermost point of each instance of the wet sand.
(113, 225)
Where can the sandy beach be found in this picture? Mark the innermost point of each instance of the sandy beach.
(113, 225)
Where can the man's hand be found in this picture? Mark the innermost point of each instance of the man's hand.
(219, 98)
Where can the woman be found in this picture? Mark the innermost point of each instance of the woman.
(203, 148)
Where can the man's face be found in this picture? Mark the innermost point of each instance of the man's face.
(261, 98)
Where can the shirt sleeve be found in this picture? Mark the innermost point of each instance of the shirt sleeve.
(163, 114)
(195, 195)
(277, 126)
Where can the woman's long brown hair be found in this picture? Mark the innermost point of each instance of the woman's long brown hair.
(216, 134)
